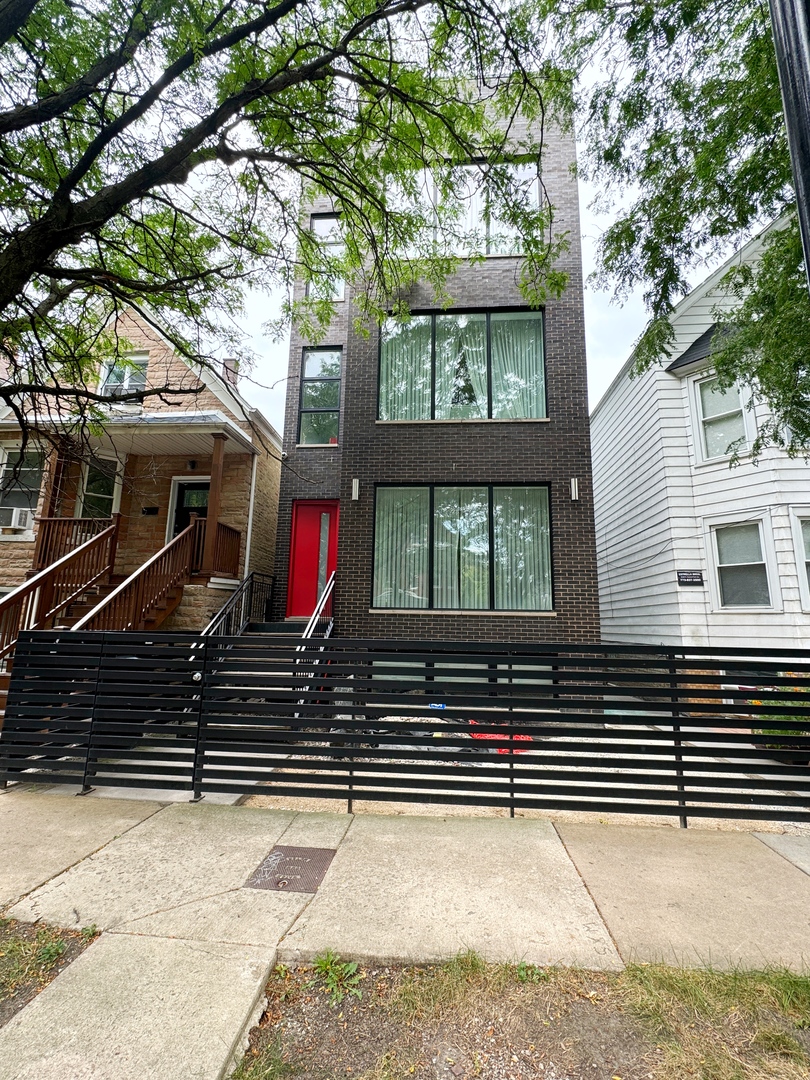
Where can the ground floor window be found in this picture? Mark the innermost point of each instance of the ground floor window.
(472, 547)
(21, 479)
(99, 488)
(741, 568)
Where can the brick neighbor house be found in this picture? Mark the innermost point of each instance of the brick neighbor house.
(199, 458)
(442, 466)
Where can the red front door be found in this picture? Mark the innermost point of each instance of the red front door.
(313, 554)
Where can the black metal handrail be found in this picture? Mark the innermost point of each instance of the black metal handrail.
(248, 603)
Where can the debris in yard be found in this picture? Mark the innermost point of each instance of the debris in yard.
(469, 1019)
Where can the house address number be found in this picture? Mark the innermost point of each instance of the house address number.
(690, 577)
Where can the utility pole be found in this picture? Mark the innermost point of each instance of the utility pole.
(791, 33)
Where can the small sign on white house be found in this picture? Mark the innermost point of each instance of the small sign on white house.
(690, 577)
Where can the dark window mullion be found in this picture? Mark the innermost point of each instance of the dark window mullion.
(489, 366)
(491, 512)
(432, 367)
(431, 589)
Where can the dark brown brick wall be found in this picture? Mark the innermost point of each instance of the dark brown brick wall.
(469, 452)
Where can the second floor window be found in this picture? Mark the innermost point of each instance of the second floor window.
(320, 397)
(125, 375)
(722, 423)
(477, 366)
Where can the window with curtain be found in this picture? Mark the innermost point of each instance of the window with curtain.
(466, 547)
(470, 366)
(478, 220)
(320, 397)
(21, 479)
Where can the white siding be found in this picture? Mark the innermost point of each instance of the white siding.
(655, 500)
(633, 433)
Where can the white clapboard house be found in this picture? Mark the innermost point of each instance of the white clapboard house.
(693, 549)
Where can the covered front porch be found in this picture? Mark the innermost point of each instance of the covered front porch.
(161, 503)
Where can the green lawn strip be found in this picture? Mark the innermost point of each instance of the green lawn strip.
(31, 956)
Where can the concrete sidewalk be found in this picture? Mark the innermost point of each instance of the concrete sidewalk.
(176, 979)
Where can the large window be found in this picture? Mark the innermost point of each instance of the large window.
(476, 366)
(320, 397)
(125, 375)
(722, 422)
(741, 568)
(469, 548)
(478, 220)
(21, 479)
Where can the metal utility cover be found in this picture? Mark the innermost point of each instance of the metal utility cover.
(292, 869)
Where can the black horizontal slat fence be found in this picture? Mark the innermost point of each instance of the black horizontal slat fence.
(627, 729)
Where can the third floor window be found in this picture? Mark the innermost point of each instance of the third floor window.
(476, 366)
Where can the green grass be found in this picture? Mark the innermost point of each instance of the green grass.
(25, 960)
(264, 1064)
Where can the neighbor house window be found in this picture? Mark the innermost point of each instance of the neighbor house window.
(21, 479)
(476, 366)
(472, 547)
(125, 376)
(741, 569)
(722, 421)
(325, 227)
(99, 489)
(320, 397)
(805, 529)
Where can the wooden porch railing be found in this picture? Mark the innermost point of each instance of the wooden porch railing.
(57, 536)
(227, 544)
(198, 542)
(127, 607)
(36, 603)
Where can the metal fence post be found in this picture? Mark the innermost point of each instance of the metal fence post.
(200, 662)
(87, 788)
(676, 731)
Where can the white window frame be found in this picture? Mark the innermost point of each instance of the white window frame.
(749, 422)
(5, 449)
(195, 478)
(136, 356)
(763, 520)
(119, 483)
(798, 514)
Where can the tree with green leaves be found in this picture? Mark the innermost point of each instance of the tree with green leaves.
(156, 155)
(680, 113)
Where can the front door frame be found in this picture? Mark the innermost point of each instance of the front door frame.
(332, 503)
(176, 480)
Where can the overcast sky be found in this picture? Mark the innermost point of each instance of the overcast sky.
(610, 331)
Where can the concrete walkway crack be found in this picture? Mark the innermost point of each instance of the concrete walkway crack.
(82, 858)
(597, 909)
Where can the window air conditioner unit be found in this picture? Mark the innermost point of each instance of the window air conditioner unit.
(16, 517)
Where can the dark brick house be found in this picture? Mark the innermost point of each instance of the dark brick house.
(443, 467)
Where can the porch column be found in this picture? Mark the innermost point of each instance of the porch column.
(214, 503)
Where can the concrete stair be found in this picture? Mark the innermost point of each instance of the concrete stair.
(294, 627)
